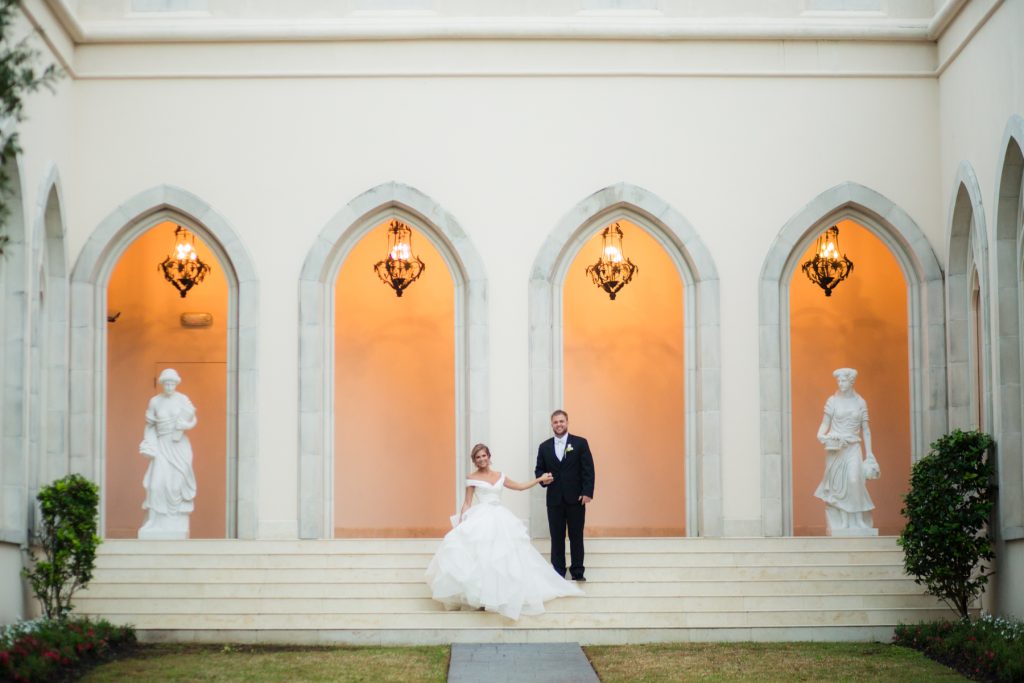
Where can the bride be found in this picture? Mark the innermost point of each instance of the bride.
(487, 560)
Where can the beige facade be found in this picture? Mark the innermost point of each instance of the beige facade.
(281, 133)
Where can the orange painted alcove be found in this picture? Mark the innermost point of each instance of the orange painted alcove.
(623, 388)
(863, 325)
(147, 337)
(394, 396)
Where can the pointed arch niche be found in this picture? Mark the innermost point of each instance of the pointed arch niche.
(48, 347)
(1009, 265)
(114, 364)
(850, 205)
(382, 376)
(394, 392)
(863, 325)
(969, 350)
(582, 344)
(147, 337)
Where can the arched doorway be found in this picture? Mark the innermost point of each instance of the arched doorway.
(697, 508)
(151, 327)
(623, 368)
(1007, 417)
(925, 333)
(317, 362)
(862, 325)
(394, 393)
(89, 322)
(48, 368)
(967, 307)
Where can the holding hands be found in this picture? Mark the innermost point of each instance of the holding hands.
(545, 478)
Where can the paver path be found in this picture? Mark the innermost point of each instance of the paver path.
(514, 662)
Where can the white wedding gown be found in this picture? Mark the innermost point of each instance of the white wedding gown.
(487, 561)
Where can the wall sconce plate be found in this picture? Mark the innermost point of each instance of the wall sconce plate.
(196, 319)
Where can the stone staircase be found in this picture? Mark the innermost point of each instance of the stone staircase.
(638, 590)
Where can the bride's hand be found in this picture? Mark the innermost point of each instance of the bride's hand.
(546, 478)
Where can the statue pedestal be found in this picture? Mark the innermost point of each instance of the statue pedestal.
(853, 532)
(164, 528)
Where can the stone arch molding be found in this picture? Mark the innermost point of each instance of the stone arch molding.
(909, 245)
(88, 338)
(316, 316)
(967, 243)
(702, 344)
(14, 290)
(1007, 414)
(48, 344)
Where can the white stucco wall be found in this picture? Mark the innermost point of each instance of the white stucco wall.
(45, 140)
(507, 157)
(508, 136)
(979, 91)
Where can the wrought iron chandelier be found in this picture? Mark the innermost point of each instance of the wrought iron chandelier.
(400, 269)
(613, 270)
(828, 268)
(185, 269)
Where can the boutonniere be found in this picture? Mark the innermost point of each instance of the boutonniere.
(568, 448)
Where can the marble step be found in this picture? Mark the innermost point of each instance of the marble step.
(421, 560)
(438, 620)
(588, 604)
(590, 636)
(419, 589)
(413, 575)
(429, 545)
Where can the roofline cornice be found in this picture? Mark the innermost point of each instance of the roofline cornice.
(426, 26)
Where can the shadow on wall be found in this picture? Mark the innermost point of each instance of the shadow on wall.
(863, 325)
(147, 337)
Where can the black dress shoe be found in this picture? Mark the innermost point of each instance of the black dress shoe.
(578, 578)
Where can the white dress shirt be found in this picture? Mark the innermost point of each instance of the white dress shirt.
(560, 442)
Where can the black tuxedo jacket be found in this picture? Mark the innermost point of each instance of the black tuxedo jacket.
(574, 475)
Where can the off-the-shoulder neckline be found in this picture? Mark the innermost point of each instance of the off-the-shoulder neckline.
(484, 481)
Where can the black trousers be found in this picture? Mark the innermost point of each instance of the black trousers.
(561, 518)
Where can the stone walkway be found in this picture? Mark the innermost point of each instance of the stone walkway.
(515, 662)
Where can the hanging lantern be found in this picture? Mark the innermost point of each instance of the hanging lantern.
(184, 270)
(613, 270)
(828, 268)
(400, 269)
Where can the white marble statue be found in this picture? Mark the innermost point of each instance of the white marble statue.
(847, 503)
(170, 482)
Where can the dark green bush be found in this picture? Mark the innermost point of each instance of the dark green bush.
(47, 650)
(67, 543)
(989, 649)
(946, 540)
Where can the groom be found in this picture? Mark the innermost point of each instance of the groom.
(568, 458)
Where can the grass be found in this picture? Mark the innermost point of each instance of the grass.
(645, 663)
(765, 662)
(181, 662)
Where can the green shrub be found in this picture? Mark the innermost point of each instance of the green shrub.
(46, 650)
(67, 542)
(946, 539)
(989, 649)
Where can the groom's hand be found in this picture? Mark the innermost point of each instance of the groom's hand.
(585, 499)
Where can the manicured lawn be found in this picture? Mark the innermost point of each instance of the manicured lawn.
(765, 662)
(181, 662)
(647, 663)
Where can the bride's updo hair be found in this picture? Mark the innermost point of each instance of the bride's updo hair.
(476, 449)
